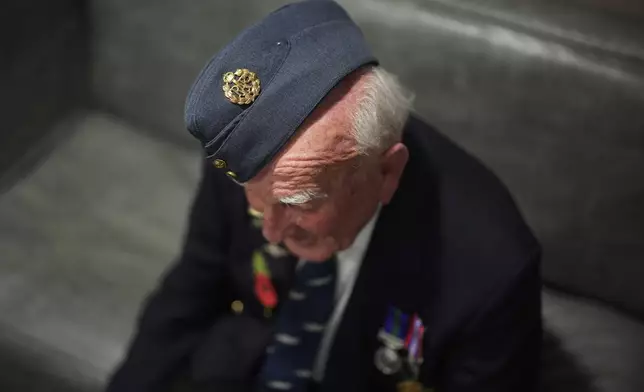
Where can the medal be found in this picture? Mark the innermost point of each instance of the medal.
(401, 352)
(414, 343)
(409, 386)
(388, 358)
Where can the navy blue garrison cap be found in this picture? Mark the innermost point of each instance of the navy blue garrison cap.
(252, 96)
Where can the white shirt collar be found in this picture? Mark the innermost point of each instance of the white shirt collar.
(357, 250)
(350, 259)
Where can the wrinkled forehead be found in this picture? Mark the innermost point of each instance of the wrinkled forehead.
(321, 148)
(315, 169)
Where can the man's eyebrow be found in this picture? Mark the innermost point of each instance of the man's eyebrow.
(302, 197)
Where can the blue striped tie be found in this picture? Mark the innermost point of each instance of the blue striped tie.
(299, 329)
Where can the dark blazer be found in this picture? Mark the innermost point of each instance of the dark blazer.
(451, 246)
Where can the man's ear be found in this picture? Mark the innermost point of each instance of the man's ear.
(391, 168)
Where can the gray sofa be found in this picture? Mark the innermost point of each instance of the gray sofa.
(550, 96)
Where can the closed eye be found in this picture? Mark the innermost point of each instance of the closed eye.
(299, 206)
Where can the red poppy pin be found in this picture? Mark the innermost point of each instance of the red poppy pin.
(263, 285)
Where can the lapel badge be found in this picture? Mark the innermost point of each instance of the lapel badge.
(264, 289)
(241, 87)
(401, 351)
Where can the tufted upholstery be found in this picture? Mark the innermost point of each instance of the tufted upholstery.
(549, 95)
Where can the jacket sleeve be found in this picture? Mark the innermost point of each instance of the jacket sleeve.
(183, 307)
(499, 351)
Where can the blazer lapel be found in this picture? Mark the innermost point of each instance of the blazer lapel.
(397, 258)
(379, 285)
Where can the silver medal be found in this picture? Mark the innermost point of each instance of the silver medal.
(387, 360)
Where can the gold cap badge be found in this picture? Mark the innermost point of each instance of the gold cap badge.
(241, 87)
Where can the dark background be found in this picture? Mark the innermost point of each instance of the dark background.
(97, 170)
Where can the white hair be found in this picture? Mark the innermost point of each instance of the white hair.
(382, 112)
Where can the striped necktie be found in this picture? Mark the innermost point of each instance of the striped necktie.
(299, 328)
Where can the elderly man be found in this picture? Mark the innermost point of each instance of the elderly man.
(337, 242)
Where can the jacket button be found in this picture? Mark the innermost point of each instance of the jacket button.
(237, 307)
(219, 163)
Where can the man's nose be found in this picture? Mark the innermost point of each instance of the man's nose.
(275, 223)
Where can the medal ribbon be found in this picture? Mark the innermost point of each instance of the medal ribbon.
(414, 340)
(396, 324)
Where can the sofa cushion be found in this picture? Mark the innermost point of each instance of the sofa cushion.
(549, 94)
(84, 239)
(589, 347)
(561, 124)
